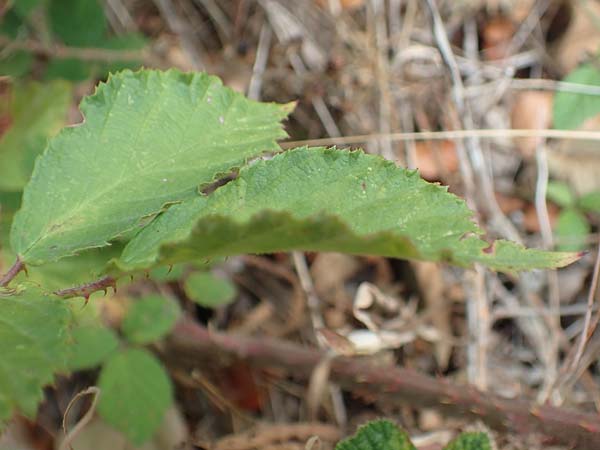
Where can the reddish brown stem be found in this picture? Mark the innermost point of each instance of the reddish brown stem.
(85, 290)
(192, 342)
(12, 272)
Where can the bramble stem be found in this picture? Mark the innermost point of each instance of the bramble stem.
(191, 342)
(85, 290)
(12, 272)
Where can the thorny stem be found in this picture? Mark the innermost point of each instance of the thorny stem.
(85, 290)
(12, 272)
(191, 343)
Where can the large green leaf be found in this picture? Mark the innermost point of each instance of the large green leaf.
(327, 200)
(570, 110)
(377, 435)
(135, 393)
(36, 111)
(33, 346)
(149, 138)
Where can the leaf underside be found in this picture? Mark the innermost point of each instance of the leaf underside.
(327, 200)
(149, 138)
(33, 346)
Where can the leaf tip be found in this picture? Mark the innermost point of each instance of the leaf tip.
(289, 107)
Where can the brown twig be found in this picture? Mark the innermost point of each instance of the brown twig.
(192, 342)
(17, 267)
(85, 290)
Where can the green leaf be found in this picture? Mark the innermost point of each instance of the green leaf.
(149, 138)
(9, 203)
(590, 202)
(33, 345)
(80, 23)
(150, 318)
(208, 290)
(11, 25)
(135, 392)
(73, 69)
(470, 441)
(91, 346)
(16, 64)
(36, 111)
(69, 69)
(377, 435)
(131, 41)
(560, 193)
(24, 7)
(572, 230)
(571, 110)
(327, 200)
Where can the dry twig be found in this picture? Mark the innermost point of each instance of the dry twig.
(191, 343)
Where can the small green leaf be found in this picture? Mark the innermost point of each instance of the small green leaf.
(590, 202)
(33, 346)
(16, 64)
(73, 69)
(327, 200)
(80, 23)
(377, 435)
(135, 392)
(131, 41)
(572, 229)
(150, 319)
(149, 138)
(470, 441)
(571, 110)
(24, 7)
(91, 346)
(208, 290)
(12, 24)
(36, 112)
(560, 193)
(69, 69)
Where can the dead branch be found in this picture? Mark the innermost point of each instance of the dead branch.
(192, 343)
